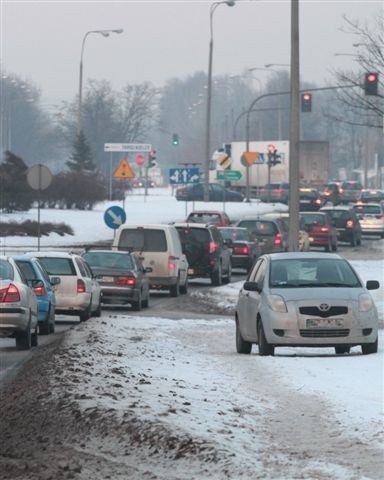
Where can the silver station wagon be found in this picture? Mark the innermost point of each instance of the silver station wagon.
(305, 299)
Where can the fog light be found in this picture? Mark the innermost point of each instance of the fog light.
(278, 332)
(367, 331)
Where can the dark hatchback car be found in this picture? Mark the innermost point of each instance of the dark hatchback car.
(275, 192)
(269, 233)
(217, 193)
(121, 276)
(309, 200)
(245, 249)
(206, 252)
(321, 231)
(371, 196)
(346, 222)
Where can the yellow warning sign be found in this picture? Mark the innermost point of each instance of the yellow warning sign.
(124, 170)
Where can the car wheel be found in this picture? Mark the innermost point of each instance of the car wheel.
(23, 339)
(97, 312)
(35, 337)
(136, 306)
(184, 288)
(52, 322)
(359, 241)
(45, 327)
(328, 247)
(86, 315)
(242, 346)
(340, 349)
(334, 247)
(145, 302)
(174, 290)
(264, 347)
(216, 277)
(354, 241)
(368, 348)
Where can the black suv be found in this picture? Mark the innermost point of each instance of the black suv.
(270, 232)
(345, 220)
(206, 252)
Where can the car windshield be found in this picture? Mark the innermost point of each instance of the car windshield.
(314, 272)
(111, 260)
(6, 270)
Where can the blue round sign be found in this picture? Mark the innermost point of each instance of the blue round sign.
(114, 216)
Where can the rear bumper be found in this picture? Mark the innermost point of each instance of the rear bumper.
(113, 295)
(14, 319)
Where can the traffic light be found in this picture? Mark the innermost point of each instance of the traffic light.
(175, 139)
(306, 102)
(152, 159)
(273, 157)
(371, 83)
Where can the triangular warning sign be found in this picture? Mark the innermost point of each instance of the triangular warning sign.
(124, 170)
(249, 158)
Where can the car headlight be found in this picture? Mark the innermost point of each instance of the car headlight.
(365, 302)
(277, 303)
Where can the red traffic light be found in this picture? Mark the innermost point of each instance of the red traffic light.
(306, 102)
(307, 96)
(371, 83)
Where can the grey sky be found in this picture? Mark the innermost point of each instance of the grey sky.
(41, 40)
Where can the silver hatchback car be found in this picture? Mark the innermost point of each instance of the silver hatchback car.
(305, 299)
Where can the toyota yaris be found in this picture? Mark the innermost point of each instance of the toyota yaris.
(305, 299)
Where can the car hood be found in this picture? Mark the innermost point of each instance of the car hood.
(318, 294)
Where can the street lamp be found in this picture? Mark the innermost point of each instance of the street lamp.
(104, 33)
(213, 7)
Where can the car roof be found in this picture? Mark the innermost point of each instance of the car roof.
(299, 255)
(193, 225)
(51, 254)
(339, 207)
(215, 212)
(366, 204)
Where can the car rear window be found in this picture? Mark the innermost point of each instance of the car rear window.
(368, 209)
(194, 235)
(351, 186)
(58, 266)
(143, 240)
(235, 234)
(308, 195)
(259, 227)
(6, 270)
(27, 269)
(310, 220)
(109, 260)
(204, 218)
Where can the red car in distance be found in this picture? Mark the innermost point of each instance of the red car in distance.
(321, 231)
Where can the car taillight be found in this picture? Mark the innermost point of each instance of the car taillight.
(318, 201)
(81, 286)
(171, 262)
(128, 281)
(380, 217)
(212, 247)
(278, 239)
(40, 291)
(349, 224)
(324, 229)
(10, 294)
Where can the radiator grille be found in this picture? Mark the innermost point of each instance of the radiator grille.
(324, 332)
(314, 311)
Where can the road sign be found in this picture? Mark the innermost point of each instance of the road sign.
(127, 147)
(183, 175)
(249, 158)
(230, 175)
(124, 170)
(39, 177)
(224, 160)
(114, 216)
(140, 159)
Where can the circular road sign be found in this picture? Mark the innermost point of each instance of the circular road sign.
(39, 177)
(140, 159)
(114, 216)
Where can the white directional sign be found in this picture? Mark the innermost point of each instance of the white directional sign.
(183, 175)
(127, 147)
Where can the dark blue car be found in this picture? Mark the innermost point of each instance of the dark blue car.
(42, 285)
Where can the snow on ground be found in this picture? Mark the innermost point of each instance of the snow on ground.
(351, 384)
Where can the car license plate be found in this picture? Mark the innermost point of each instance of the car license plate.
(107, 279)
(190, 271)
(305, 201)
(324, 322)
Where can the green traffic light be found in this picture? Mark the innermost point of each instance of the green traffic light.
(175, 139)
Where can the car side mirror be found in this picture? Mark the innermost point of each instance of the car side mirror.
(372, 285)
(252, 286)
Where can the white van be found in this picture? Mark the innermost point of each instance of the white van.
(159, 248)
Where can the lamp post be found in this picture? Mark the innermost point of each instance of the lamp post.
(104, 33)
(213, 7)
